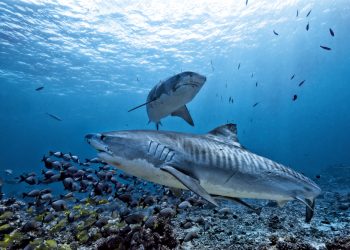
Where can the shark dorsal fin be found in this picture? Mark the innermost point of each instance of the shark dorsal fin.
(226, 133)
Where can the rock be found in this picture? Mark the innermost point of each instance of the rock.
(274, 222)
(134, 218)
(224, 211)
(343, 207)
(6, 229)
(339, 243)
(200, 221)
(281, 245)
(150, 222)
(187, 225)
(167, 212)
(190, 236)
(184, 205)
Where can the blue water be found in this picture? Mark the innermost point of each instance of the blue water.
(97, 59)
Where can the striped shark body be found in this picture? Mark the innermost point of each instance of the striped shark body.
(213, 165)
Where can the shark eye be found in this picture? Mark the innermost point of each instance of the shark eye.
(102, 137)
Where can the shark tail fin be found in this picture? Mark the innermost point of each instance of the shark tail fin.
(184, 114)
(309, 210)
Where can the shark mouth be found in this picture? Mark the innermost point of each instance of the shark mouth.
(96, 141)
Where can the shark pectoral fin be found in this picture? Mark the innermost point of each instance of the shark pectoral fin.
(189, 182)
(281, 203)
(309, 210)
(257, 210)
(141, 105)
(184, 114)
(310, 205)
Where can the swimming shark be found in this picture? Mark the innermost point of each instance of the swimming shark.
(212, 165)
(170, 97)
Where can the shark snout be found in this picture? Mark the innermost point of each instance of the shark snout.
(96, 141)
(90, 137)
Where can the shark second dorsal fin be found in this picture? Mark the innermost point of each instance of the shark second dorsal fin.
(226, 133)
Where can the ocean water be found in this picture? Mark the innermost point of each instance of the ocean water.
(98, 59)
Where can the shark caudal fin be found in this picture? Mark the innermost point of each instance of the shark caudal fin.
(184, 114)
(309, 209)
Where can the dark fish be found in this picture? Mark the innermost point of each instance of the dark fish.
(318, 176)
(251, 76)
(331, 31)
(275, 32)
(325, 48)
(54, 117)
(211, 63)
(297, 13)
(239, 65)
(40, 88)
(33, 193)
(255, 104)
(246, 2)
(59, 205)
(295, 97)
(307, 26)
(301, 83)
(256, 84)
(29, 180)
(292, 77)
(308, 13)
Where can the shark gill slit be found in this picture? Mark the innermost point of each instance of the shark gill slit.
(149, 146)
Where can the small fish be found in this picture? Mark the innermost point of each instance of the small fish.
(295, 97)
(307, 26)
(275, 32)
(308, 13)
(331, 31)
(292, 77)
(211, 63)
(239, 65)
(301, 83)
(256, 84)
(39, 88)
(54, 117)
(59, 205)
(255, 104)
(251, 76)
(318, 176)
(33, 193)
(8, 171)
(325, 48)
(29, 180)
(297, 13)
(246, 2)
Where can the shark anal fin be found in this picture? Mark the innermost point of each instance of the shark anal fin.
(257, 210)
(309, 210)
(189, 182)
(184, 114)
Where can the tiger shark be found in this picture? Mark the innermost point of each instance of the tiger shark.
(212, 165)
(170, 97)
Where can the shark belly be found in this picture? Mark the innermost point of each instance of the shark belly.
(167, 104)
(143, 169)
